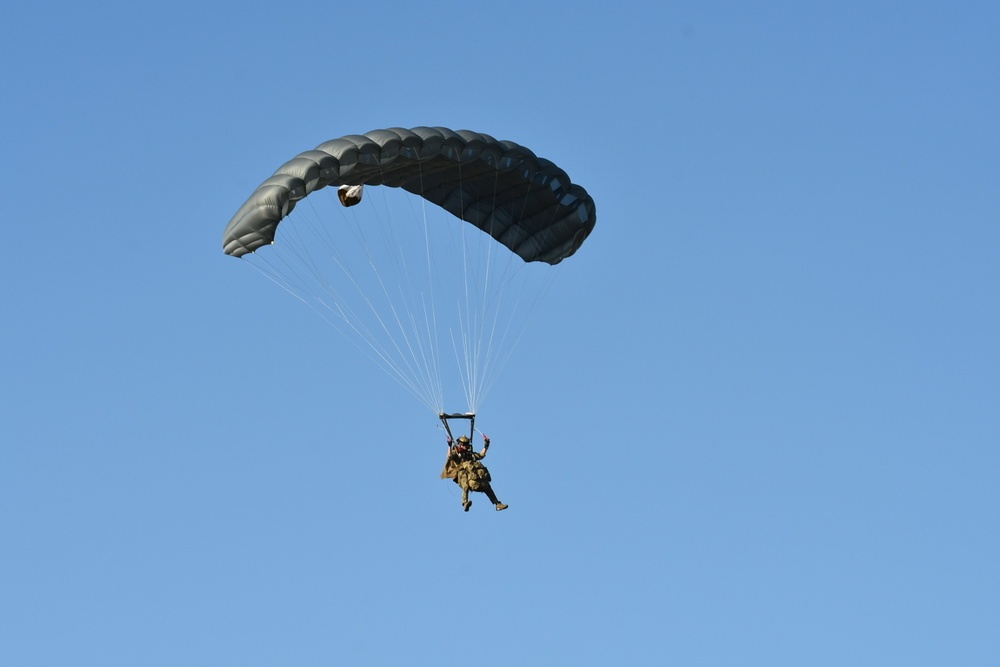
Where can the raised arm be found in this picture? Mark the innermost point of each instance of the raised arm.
(486, 445)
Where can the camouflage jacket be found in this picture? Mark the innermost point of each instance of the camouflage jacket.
(459, 462)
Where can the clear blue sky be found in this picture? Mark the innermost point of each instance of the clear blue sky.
(756, 422)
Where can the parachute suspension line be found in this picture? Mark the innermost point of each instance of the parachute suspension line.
(408, 376)
(468, 325)
(488, 297)
(336, 303)
(475, 303)
(421, 350)
(395, 305)
(261, 265)
(479, 307)
(432, 321)
(496, 287)
(504, 336)
(430, 318)
(416, 356)
(465, 362)
(268, 270)
(488, 314)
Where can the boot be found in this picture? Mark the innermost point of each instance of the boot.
(501, 507)
(467, 504)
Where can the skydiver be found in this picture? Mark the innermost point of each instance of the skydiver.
(463, 465)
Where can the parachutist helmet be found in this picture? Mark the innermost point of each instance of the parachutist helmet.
(463, 441)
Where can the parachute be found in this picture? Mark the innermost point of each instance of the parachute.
(526, 203)
(498, 191)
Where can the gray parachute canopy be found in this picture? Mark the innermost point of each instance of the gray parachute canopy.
(525, 202)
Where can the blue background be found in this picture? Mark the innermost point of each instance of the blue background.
(755, 422)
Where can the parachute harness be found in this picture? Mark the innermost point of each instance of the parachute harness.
(468, 415)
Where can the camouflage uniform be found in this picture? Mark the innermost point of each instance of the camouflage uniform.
(463, 465)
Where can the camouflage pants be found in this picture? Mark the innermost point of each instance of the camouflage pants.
(473, 476)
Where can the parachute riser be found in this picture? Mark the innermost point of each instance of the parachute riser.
(444, 417)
